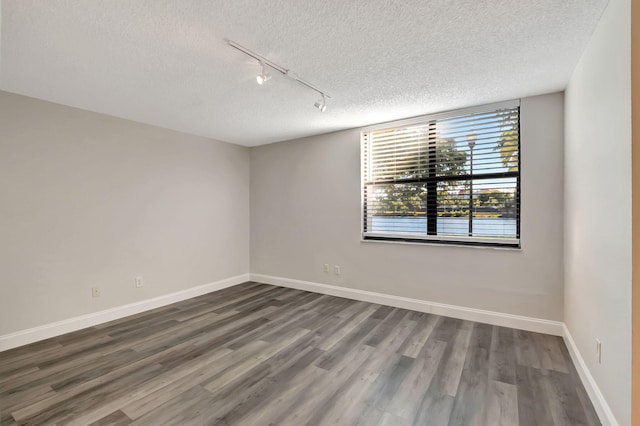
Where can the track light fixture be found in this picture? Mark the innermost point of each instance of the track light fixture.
(264, 76)
(321, 104)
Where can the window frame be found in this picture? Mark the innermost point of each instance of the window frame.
(433, 179)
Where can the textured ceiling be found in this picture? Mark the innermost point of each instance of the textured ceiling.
(165, 62)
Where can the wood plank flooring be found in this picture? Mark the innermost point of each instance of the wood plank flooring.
(256, 354)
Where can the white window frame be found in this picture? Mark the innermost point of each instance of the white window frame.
(440, 239)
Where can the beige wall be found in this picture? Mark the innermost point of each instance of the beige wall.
(305, 211)
(598, 207)
(635, 134)
(89, 200)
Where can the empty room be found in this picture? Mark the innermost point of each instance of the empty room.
(233, 212)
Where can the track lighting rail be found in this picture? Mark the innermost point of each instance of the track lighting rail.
(265, 62)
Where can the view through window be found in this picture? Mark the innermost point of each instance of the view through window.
(449, 178)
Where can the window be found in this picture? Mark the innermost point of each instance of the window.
(447, 178)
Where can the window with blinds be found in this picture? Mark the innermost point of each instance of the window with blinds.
(450, 178)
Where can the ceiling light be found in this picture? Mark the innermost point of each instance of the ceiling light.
(264, 76)
(321, 104)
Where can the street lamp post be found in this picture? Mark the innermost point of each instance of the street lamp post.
(471, 140)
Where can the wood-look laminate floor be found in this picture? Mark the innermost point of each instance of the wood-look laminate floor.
(256, 354)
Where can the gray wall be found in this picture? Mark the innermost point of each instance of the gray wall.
(598, 206)
(305, 211)
(89, 200)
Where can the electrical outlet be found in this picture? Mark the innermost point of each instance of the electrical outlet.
(599, 351)
(336, 269)
(139, 282)
(325, 267)
(95, 292)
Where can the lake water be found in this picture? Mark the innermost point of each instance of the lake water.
(446, 225)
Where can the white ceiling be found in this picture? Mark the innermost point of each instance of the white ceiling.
(164, 62)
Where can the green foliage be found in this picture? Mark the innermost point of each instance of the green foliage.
(508, 143)
(449, 160)
(400, 199)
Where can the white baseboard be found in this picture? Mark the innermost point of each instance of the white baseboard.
(599, 403)
(470, 314)
(24, 337)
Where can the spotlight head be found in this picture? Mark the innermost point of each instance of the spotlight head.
(322, 107)
(264, 76)
(321, 104)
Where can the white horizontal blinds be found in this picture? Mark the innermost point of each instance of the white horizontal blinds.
(365, 155)
(399, 154)
(489, 141)
(451, 175)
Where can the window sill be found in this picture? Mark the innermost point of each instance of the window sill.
(442, 244)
